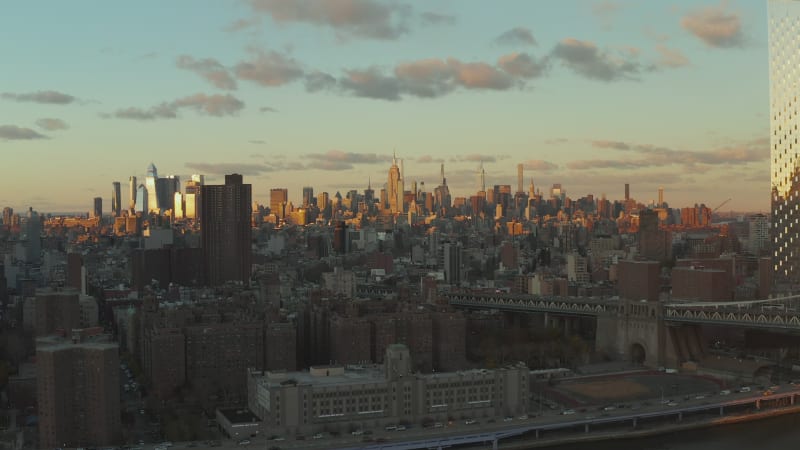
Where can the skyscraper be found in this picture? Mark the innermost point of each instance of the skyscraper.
(116, 199)
(278, 198)
(308, 196)
(784, 81)
(627, 192)
(520, 168)
(192, 198)
(225, 231)
(142, 199)
(152, 193)
(98, 207)
(393, 193)
(132, 187)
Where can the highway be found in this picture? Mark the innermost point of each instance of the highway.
(459, 433)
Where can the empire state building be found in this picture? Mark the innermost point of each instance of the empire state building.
(395, 187)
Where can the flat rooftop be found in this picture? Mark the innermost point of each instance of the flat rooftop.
(238, 416)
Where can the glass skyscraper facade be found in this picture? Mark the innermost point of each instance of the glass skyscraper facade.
(784, 76)
(150, 183)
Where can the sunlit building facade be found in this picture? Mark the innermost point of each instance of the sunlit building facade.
(784, 58)
(150, 183)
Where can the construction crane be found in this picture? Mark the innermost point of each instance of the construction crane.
(721, 205)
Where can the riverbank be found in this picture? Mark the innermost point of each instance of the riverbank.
(599, 436)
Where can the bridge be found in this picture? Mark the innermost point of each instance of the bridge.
(653, 333)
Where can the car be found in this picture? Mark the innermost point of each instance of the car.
(609, 408)
(508, 419)
(141, 411)
(590, 417)
(438, 425)
(725, 392)
(390, 428)
(317, 436)
(166, 444)
(744, 389)
(567, 412)
(244, 442)
(774, 388)
(401, 428)
(470, 422)
(357, 433)
(699, 397)
(766, 393)
(672, 404)
(523, 417)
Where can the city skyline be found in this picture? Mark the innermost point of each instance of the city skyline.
(293, 94)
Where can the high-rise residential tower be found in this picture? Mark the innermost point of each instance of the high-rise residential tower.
(116, 199)
(784, 87)
(225, 231)
(150, 183)
(98, 207)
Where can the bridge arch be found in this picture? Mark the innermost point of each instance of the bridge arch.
(637, 353)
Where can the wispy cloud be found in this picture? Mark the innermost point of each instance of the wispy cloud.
(50, 124)
(269, 69)
(210, 69)
(267, 109)
(15, 133)
(587, 60)
(540, 165)
(211, 105)
(433, 18)
(429, 159)
(242, 24)
(516, 36)
(49, 97)
(349, 18)
(715, 26)
(671, 57)
(248, 169)
(658, 156)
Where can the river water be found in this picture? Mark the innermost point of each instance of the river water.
(779, 433)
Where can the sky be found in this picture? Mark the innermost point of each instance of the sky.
(292, 93)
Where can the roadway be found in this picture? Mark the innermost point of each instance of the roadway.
(484, 430)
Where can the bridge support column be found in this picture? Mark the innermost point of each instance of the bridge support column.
(494, 444)
(680, 417)
(634, 422)
(537, 434)
(586, 428)
(721, 410)
(791, 400)
(758, 404)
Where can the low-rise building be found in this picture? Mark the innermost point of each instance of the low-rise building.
(339, 398)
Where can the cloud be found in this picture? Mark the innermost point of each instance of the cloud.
(50, 97)
(605, 7)
(477, 157)
(269, 69)
(538, 164)
(329, 165)
(715, 26)
(50, 124)
(657, 156)
(522, 65)
(362, 18)
(15, 133)
(432, 18)
(210, 69)
(516, 36)
(555, 141)
(267, 109)
(212, 105)
(318, 81)
(371, 83)
(242, 24)
(585, 59)
(429, 159)
(671, 57)
(247, 169)
(339, 156)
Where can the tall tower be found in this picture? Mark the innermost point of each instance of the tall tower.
(660, 197)
(150, 184)
(225, 231)
(520, 168)
(627, 192)
(116, 199)
(531, 189)
(481, 179)
(132, 188)
(784, 85)
(97, 210)
(393, 193)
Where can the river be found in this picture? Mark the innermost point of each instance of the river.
(779, 433)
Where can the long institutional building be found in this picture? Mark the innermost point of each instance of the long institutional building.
(331, 398)
(784, 81)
